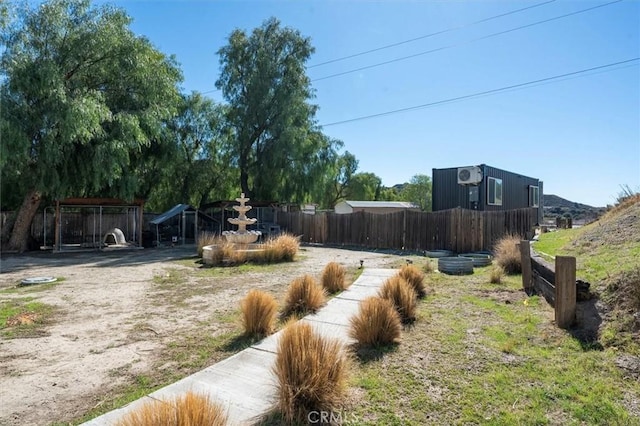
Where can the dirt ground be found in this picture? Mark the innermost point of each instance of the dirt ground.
(112, 319)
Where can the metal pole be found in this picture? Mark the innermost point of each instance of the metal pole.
(100, 210)
(94, 227)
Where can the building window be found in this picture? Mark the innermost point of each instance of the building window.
(534, 196)
(494, 191)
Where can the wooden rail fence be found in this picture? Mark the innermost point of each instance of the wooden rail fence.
(459, 230)
(556, 283)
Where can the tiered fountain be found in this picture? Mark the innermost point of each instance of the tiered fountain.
(242, 239)
(242, 236)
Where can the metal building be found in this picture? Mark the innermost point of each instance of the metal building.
(485, 188)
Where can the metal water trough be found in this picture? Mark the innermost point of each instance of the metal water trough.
(479, 259)
(455, 265)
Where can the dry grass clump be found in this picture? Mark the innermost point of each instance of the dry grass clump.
(206, 239)
(304, 295)
(507, 254)
(259, 311)
(333, 277)
(397, 291)
(414, 277)
(282, 248)
(624, 202)
(311, 372)
(427, 268)
(190, 409)
(496, 275)
(376, 324)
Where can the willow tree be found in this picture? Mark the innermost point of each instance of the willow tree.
(263, 79)
(82, 96)
(199, 166)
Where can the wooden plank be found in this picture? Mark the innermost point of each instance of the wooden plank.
(565, 283)
(544, 287)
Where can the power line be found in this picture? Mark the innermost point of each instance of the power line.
(451, 46)
(486, 92)
(429, 35)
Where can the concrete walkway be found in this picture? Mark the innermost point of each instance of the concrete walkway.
(244, 382)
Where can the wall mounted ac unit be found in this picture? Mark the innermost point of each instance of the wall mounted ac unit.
(469, 175)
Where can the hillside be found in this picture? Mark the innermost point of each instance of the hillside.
(608, 256)
(555, 206)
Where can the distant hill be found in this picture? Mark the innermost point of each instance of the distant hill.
(555, 206)
(555, 201)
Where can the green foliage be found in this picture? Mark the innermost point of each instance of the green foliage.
(364, 187)
(418, 191)
(82, 96)
(279, 152)
(336, 179)
(196, 165)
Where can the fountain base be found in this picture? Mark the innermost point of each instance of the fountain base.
(211, 254)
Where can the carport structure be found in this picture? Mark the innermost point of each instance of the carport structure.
(83, 222)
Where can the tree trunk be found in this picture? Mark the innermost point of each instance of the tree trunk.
(244, 182)
(19, 240)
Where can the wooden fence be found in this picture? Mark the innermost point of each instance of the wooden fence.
(556, 283)
(459, 230)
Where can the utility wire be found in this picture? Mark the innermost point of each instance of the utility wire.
(486, 92)
(491, 18)
(451, 46)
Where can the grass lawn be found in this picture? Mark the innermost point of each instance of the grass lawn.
(482, 353)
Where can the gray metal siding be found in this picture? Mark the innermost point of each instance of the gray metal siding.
(447, 194)
(515, 188)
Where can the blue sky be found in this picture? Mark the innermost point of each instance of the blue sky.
(581, 135)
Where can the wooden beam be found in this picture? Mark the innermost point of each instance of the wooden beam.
(565, 291)
(525, 258)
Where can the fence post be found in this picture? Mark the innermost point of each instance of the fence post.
(525, 259)
(565, 291)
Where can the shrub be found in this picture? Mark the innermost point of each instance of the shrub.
(259, 311)
(397, 291)
(414, 277)
(232, 254)
(286, 247)
(304, 295)
(507, 254)
(427, 268)
(376, 324)
(206, 239)
(333, 277)
(496, 274)
(311, 373)
(189, 409)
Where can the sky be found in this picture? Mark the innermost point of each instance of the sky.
(579, 134)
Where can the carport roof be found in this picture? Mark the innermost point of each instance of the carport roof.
(381, 204)
(173, 211)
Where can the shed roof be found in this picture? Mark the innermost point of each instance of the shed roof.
(382, 204)
(173, 211)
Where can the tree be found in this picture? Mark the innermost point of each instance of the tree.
(264, 81)
(337, 177)
(82, 96)
(198, 147)
(364, 187)
(418, 191)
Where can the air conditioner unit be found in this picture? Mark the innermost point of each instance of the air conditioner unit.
(469, 175)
